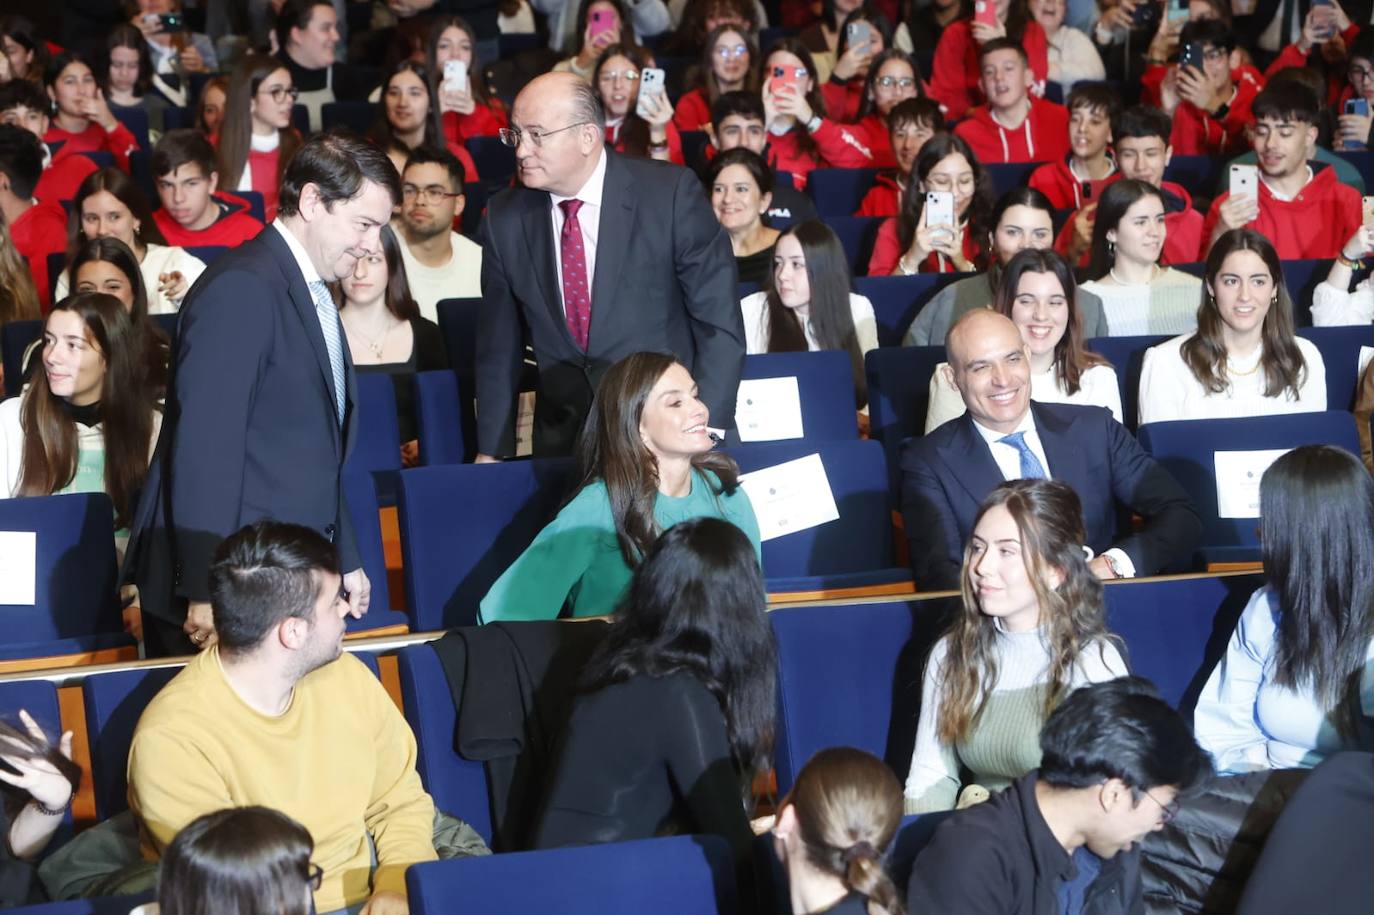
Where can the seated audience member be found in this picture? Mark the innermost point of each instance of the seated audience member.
(36, 228)
(729, 63)
(470, 111)
(109, 205)
(267, 712)
(214, 95)
(1211, 105)
(39, 780)
(801, 136)
(644, 463)
(893, 78)
(1298, 673)
(1116, 762)
(676, 711)
(741, 188)
(694, 21)
(193, 213)
(1037, 292)
(1321, 49)
(1089, 167)
(18, 298)
(593, 38)
(387, 334)
(307, 45)
(1302, 206)
(1013, 125)
(855, 61)
(126, 67)
(439, 263)
(1333, 302)
(410, 117)
(956, 73)
(1346, 172)
(821, 36)
(249, 859)
(737, 119)
(1245, 359)
(1023, 219)
(1005, 436)
(1070, 53)
(833, 832)
(175, 52)
(806, 303)
(920, 31)
(25, 52)
(908, 126)
(87, 422)
(83, 121)
(907, 245)
(616, 81)
(1032, 629)
(1140, 141)
(24, 104)
(1138, 295)
(1356, 131)
(256, 138)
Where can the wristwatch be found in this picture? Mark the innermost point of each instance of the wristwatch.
(1112, 564)
(814, 124)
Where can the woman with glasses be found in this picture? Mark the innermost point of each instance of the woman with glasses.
(256, 139)
(1032, 629)
(854, 61)
(647, 135)
(1298, 674)
(1356, 131)
(892, 79)
(730, 63)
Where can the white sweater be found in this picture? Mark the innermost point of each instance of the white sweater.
(1168, 305)
(755, 308)
(1332, 307)
(158, 260)
(1168, 390)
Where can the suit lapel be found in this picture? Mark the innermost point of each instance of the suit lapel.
(970, 460)
(538, 225)
(614, 237)
(1064, 455)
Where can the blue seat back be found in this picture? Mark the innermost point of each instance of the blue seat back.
(839, 191)
(439, 417)
(691, 875)
(899, 397)
(1198, 174)
(57, 262)
(458, 323)
(135, 118)
(1006, 176)
(377, 448)
(694, 143)
(463, 524)
(1185, 448)
(101, 905)
(1340, 349)
(1301, 277)
(15, 337)
(495, 160)
(825, 384)
(458, 785)
(360, 492)
(1127, 356)
(358, 116)
(856, 235)
(898, 299)
(256, 208)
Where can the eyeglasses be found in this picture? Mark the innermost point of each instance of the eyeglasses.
(901, 82)
(511, 136)
(1360, 74)
(280, 93)
(1170, 809)
(608, 76)
(1212, 55)
(726, 51)
(432, 193)
(314, 877)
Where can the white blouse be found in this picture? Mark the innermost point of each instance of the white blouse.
(755, 308)
(1168, 389)
(1332, 307)
(158, 260)
(1097, 387)
(1168, 305)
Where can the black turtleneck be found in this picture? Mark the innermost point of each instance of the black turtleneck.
(89, 415)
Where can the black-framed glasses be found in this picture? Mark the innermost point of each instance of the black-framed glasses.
(511, 136)
(431, 193)
(314, 877)
(1360, 74)
(1170, 810)
(279, 93)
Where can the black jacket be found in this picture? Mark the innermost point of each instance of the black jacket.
(1000, 858)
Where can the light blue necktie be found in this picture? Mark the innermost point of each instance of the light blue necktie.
(1031, 468)
(328, 314)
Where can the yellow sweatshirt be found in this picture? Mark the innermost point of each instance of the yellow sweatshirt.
(340, 760)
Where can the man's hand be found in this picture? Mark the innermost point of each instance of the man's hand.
(384, 902)
(200, 624)
(359, 592)
(486, 459)
(1102, 568)
(1237, 212)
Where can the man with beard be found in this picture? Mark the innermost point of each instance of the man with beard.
(440, 263)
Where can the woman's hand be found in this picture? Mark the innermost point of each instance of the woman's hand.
(791, 101)
(172, 285)
(1353, 130)
(1120, 16)
(1361, 244)
(453, 100)
(983, 33)
(1165, 42)
(854, 61)
(593, 45)
(658, 111)
(191, 61)
(95, 109)
(38, 777)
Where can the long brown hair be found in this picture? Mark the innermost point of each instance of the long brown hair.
(1049, 518)
(157, 348)
(50, 436)
(1071, 360)
(805, 142)
(123, 189)
(477, 80)
(848, 806)
(1205, 351)
(706, 74)
(18, 297)
(396, 297)
(611, 449)
(385, 136)
(236, 130)
(634, 130)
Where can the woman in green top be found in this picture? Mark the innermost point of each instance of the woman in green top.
(644, 464)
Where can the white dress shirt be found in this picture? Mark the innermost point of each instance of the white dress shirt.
(588, 217)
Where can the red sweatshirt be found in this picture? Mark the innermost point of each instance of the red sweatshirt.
(234, 226)
(842, 99)
(40, 231)
(1182, 225)
(1065, 189)
(1042, 137)
(63, 176)
(485, 121)
(887, 251)
(884, 198)
(874, 129)
(954, 72)
(693, 111)
(1197, 133)
(673, 137)
(836, 147)
(1314, 224)
(1292, 56)
(118, 142)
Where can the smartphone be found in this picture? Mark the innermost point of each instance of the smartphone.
(1146, 14)
(172, 22)
(1245, 181)
(1191, 56)
(1087, 188)
(1367, 210)
(650, 84)
(1177, 11)
(1325, 19)
(857, 33)
(600, 21)
(456, 76)
(939, 208)
(784, 76)
(1355, 106)
(985, 11)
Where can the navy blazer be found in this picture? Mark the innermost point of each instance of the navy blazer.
(665, 280)
(947, 474)
(250, 430)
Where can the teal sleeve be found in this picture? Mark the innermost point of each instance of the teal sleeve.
(740, 512)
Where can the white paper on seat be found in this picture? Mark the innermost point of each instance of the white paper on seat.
(18, 567)
(1238, 476)
(1366, 353)
(768, 409)
(790, 497)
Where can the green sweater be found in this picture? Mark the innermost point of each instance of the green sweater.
(576, 559)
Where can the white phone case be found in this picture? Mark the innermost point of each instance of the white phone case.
(1245, 181)
(651, 82)
(456, 76)
(939, 208)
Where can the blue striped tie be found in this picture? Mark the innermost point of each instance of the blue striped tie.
(1031, 468)
(328, 314)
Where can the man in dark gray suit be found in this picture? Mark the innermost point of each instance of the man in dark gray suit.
(259, 413)
(596, 257)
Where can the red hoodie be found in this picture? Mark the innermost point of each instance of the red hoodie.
(485, 121)
(842, 99)
(693, 111)
(118, 142)
(1197, 133)
(1182, 226)
(1065, 189)
(874, 129)
(1042, 137)
(40, 231)
(63, 176)
(836, 147)
(884, 198)
(887, 251)
(954, 72)
(234, 226)
(674, 140)
(1314, 224)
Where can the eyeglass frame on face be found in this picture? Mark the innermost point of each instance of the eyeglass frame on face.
(314, 877)
(630, 76)
(1170, 810)
(1354, 73)
(729, 52)
(511, 136)
(899, 82)
(430, 193)
(276, 92)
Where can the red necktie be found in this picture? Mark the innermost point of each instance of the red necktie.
(577, 300)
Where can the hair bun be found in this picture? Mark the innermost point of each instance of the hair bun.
(859, 851)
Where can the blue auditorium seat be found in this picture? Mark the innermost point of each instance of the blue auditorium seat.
(438, 417)
(377, 448)
(458, 324)
(256, 208)
(358, 116)
(1127, 356)
(899, 397)
(1301, 277)
(839, 191)
(495, 160)
(825, 385)
(101, 905)
(898, 299)
(135, 118)
(856, 235)
(15, 337)
(1340, 349)
(1006, 176)
(677, 875)
(360, 493)
(1198, 174)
